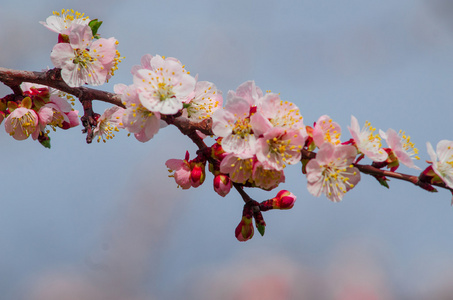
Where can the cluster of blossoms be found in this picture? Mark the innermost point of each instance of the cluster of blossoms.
(39, 109)
(260, 135)
(161, 87)
(84, 57)
(257, 135)
(333, 173)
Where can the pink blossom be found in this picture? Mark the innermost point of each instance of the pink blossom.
(402, 147)
(108, 123)
(442, 161)
(145, 64)
(240, 170)
(275, 112)
(62, 22)
(205, 101)
(367, 142)
(279, 147)
(247, 91)
(233, 124)
(325, 130)
(137, 119)
(84, 61)
(265, 178)
(58, 113)
(332, 172)
(181, 170)
(165, 86)
(21, 123)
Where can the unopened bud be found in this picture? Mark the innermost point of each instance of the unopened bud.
(284, 200)
(217, 151)
(244, 231)
(197, 174)
(222, 184)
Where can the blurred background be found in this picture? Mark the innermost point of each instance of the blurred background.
(103, 221)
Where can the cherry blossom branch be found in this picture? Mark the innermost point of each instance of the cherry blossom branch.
(52, 78)
(379, 173)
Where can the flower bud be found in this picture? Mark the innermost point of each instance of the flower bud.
(222, 184)
(217, 151)
(244, 231)
(197, 174)
(284, 200)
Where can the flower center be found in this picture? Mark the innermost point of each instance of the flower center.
(164, 91)
(242, 127)
(287, 115)
(335, 180)
(82, 57)
(331, 134)
(408, 146)
(26, 124)
(371, 140)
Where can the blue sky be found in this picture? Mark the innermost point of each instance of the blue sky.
(105, 211)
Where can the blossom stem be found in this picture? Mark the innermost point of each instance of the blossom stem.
(243, 194)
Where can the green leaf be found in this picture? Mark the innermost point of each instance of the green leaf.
(94, 25)
(261, 228)
(45, 143)
(383, 181)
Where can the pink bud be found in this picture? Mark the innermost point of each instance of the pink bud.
(284, 200)
(244, 231)
(222, 184)
(217, 151)
(197, 174)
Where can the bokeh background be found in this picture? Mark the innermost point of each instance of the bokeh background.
(103, 221)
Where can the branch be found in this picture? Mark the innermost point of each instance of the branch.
(370, 170)
(52, 78)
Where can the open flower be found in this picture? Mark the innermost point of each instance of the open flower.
(274, 112)
(84, 61)
(247, 91)
(182, 171)
(233, 124)
(279, 147)
(332, 172)
(137, 119)
(58, 113)
(266, 179)
(165, 86)
(442, 160)
(108, 123)
(206, 100)
(366, 141)
(325, 130)
(22, 121)
(240, 170)
(61, 22)
(402, 147)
